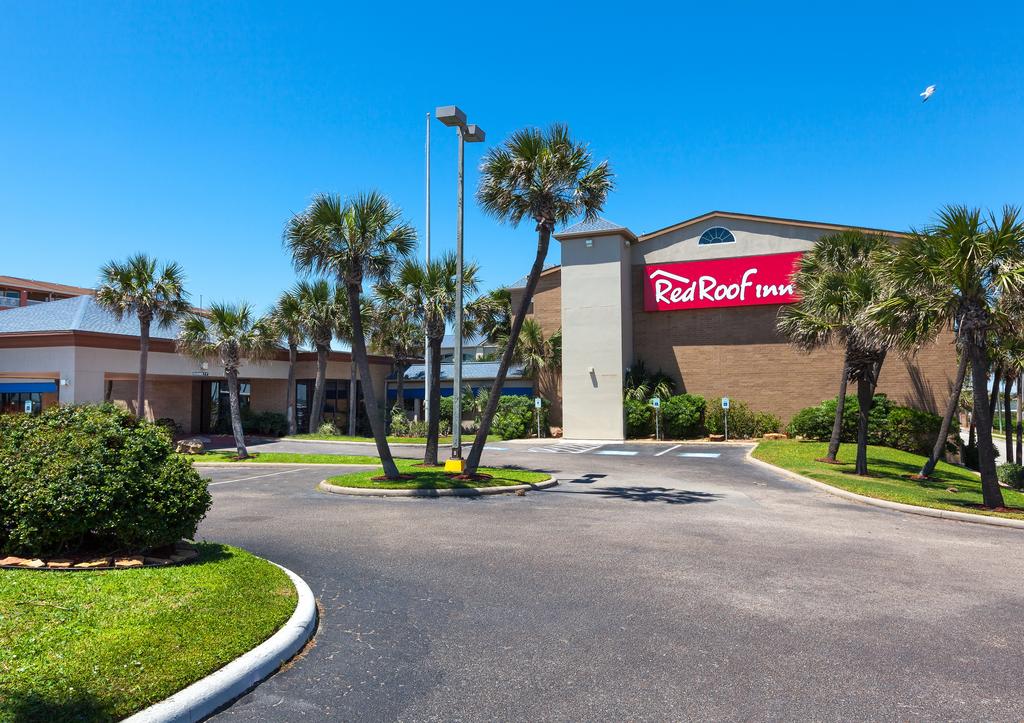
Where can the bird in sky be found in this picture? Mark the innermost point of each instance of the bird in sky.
(928, 92)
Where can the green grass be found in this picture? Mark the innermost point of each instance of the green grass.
(889, 480)
(287, 457)
(435, 478)
(391, 440)
(103, 645)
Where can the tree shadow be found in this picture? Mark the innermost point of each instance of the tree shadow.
(31, 707)
(665, 495)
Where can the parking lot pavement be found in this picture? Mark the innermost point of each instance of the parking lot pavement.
(641, 587)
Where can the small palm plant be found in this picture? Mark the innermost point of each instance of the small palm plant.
(953, 274)
(640, 384)
(547, 178)
(322, 309)
(231, 334)
(429, 289)
(536, 353)
(153, 293)
(394, 331)
(357, 240)
(287, 318)
(838, 283)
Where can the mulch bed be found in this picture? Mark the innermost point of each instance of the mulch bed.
(180, 553)
(401, 477)
(479, 477)
(1012, 510)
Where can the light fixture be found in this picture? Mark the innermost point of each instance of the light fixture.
(590, 243)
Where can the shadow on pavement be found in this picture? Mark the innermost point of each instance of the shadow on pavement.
(646, 494)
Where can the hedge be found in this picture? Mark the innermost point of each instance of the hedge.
(93, 478)
(682, 416)
(690, 416)
(516, 417)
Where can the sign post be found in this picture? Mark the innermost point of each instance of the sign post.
(725, 414)
(536, 405)
(656, 403)
(28, 406)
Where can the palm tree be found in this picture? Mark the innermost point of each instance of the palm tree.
(640, 384)
(138, 286)
(429, 289)
(838, 282)
(355, 240)
(322, 309)
(954, 272)
(395, 332)
(288, 319)
(546, 178)
(536, 353)
(491, 315)
(230, 333)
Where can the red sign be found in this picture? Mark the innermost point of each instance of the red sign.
(743, 281)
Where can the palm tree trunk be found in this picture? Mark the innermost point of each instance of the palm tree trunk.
(1008, 417)
(316, 411)
(434, 413)
(1020, 418)
(864, 396)
(543, 240)
(373, 410)
(353, 395)
(236, 413)
(837, 424)
(140, 392)
(972, 432)
(990, 492)
(951, 406)
(993, 401)
(400, 386)
(290, 404)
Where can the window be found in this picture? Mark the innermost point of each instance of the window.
(716, 235)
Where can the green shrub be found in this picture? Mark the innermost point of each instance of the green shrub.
(970, 455)
(271, 424)
(816, 422)
(639, 418)
(328, 429)
(741, 419)
(169, 424)
(911, 430)
(766, 423)
(1011, 475)
(401, 425)
(682, 416)
(516, 418)
(93, 478)
(448, 407)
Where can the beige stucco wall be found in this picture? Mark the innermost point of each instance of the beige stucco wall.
(46, 362)
(753, 238)
(595, 336)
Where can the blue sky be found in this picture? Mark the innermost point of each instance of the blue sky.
(193, 131)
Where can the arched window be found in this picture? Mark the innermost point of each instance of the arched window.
(716, 235)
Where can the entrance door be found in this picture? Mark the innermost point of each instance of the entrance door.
(215, 405)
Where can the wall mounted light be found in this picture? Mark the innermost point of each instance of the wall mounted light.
(64, 382)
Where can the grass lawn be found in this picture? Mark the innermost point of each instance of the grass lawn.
(391, 440)
(435, 478)
(102, 645)
(890, 470)
(286, 457)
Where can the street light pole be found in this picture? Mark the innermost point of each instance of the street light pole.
(428, 361)
(468, 133)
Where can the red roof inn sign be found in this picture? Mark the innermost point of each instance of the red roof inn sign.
(743, 281)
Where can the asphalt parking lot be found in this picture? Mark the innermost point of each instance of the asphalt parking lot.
(646, 586)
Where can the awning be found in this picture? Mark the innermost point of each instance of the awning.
(22, 387)
(417, 392)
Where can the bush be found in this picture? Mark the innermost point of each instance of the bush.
(682, 416)
(1011, 475)
(272, 424)
(639, 418)
(766, 423)
(93, 478)
(911, 430)
(328, 429)
(741, 419)
(970, 456)
(401, 425)
(516, 418)
(169, 424)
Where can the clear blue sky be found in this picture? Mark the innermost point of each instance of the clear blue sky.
(193, 130)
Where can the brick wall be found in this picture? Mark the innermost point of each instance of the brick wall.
(547, 310)
(163, 399)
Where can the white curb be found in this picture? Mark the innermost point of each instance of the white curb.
(325, 486)
(889, 505)
(241, 675)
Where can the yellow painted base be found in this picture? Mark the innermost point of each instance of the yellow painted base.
(455, 465)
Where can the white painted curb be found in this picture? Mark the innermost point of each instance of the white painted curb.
(325, 486)
(241, 675)
(889, 505)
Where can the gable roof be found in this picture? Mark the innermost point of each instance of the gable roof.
(764, 219)
(470, 370)
(79, 313)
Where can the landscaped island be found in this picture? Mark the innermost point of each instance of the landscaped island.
(417, 477)
(103, 645)
(949, 487)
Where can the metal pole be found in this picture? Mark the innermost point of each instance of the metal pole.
(457, 376)
(427, 360)
(726, 413)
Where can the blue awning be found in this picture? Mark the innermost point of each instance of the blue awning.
(417, 392)
(17, 387)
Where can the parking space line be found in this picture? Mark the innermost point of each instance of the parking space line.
(258, 476)
(618, 452)
(705, 455)
(496, 449)
(666, 451)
